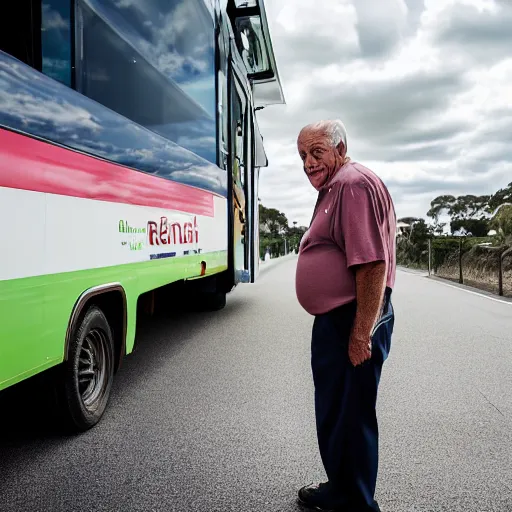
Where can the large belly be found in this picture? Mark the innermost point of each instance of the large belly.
(323, 281)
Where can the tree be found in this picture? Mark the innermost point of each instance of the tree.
(413, 247)
(440, 204)
(295, 235)
(438, 228)
(477, 227)
(275, 232)
(502, 220)
(503, 195)
(437, 206)
(272, 221)
(469, 212)
(469, 207)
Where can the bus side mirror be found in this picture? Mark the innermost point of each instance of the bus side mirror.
(253, 42)
(251, 45)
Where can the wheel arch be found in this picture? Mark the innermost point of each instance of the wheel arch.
(111, 299)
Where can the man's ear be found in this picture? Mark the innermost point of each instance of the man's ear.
(341, 149)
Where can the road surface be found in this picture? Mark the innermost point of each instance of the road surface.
(214, 412)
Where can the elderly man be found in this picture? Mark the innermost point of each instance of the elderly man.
(345, 275)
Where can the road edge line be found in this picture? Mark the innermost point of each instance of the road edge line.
(462, 288)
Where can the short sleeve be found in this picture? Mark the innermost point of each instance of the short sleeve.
(359, 224)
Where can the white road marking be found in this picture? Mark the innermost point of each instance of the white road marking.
(509, 303)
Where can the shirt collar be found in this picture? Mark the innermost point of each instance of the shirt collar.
(334, 176)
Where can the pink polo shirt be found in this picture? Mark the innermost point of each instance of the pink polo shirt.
(354, 223)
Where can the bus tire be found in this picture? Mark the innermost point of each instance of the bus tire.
(213, 301)
(88, 371)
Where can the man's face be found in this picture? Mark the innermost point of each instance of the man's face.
(321, 160)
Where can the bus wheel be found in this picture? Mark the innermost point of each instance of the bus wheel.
(212, 301)
(88, 371)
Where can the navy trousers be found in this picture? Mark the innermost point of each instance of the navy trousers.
(345, 404)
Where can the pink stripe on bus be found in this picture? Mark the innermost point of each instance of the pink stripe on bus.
(30, 164)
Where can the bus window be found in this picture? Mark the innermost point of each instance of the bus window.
(223, 121)
(39, 34)
(20, 32)
(56, 40)
(222, 103)
(154, 63)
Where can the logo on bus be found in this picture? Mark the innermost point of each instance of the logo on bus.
(136, 243)
(175, 233)
(124, 227)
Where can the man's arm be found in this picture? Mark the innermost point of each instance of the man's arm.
(370, 286)
(359, 232)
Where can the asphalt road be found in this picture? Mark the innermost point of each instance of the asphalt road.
(214, 412)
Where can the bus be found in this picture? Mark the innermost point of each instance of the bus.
(129, 162)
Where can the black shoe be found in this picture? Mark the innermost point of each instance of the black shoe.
(319, 497)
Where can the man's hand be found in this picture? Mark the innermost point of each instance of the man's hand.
(359, 349)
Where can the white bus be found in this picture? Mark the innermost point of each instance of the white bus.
(129, 159)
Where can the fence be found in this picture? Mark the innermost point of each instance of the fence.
(469, 261)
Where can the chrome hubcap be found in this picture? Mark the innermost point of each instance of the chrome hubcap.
(92, 368)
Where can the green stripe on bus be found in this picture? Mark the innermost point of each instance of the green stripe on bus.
(35, 311)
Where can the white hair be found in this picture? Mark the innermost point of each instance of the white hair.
(334, 129)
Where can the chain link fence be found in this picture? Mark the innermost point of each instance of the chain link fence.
(473, 262)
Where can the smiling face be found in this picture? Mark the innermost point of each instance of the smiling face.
(321, 159)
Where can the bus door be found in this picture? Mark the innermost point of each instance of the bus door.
(241, 168)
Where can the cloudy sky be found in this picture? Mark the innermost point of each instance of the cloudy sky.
(423, 87)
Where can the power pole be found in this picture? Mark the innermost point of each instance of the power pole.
(429, 256)
(461, 277)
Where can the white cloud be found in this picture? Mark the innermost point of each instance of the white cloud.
(52, 19)
(422, 86)
(380, 25)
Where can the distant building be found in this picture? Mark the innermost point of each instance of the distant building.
(401, 228)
